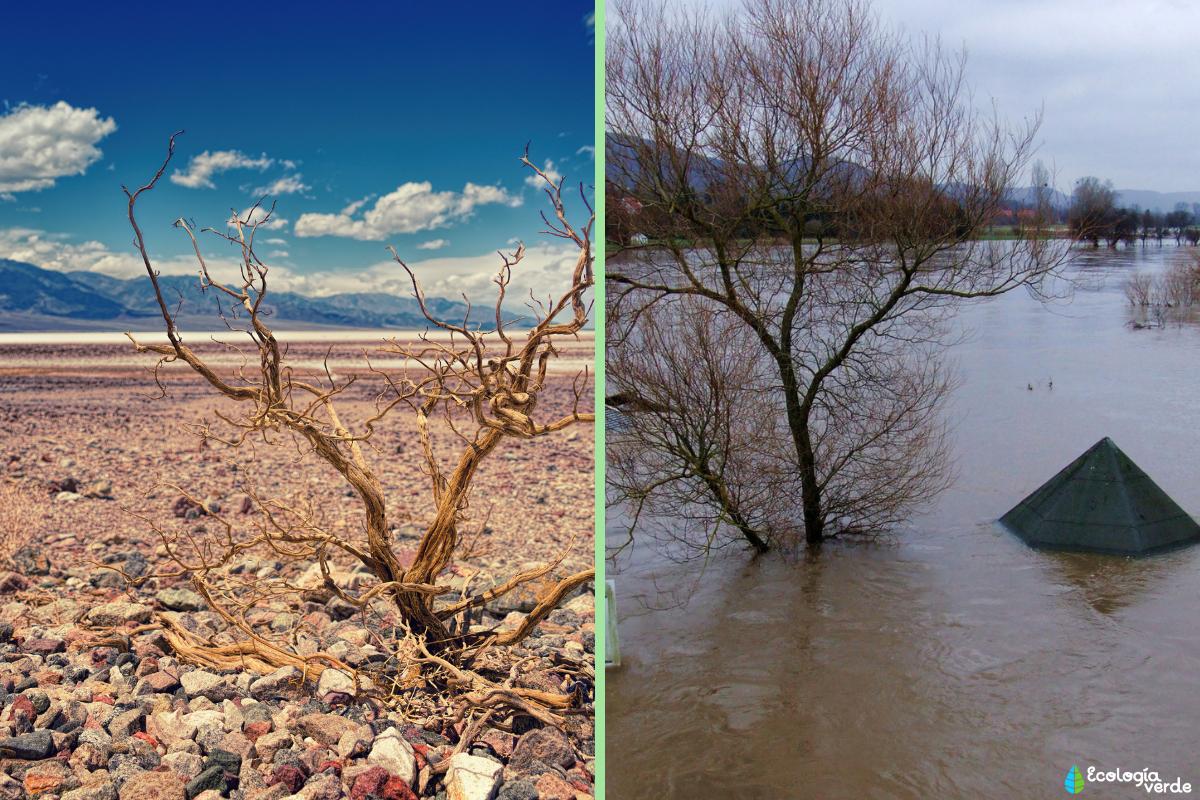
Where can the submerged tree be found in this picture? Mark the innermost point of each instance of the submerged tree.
(689, 441)
(482, 381)
(819, 180)
(1093, 206)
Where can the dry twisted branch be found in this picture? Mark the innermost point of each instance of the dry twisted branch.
(483, 384)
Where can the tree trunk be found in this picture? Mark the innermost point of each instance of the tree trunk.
(717, 487)
(810, 490)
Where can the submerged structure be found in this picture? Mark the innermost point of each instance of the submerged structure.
(1102, 502)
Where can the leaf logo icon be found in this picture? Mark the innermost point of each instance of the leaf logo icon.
(1074, 780)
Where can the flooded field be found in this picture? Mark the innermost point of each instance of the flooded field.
(950, 660)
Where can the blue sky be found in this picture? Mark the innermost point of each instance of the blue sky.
(371, 124)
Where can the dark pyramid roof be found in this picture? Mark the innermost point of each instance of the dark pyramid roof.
(1102, 502)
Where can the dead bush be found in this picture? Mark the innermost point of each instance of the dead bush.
(481, 382)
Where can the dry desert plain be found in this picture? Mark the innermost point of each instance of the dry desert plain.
(88, 454)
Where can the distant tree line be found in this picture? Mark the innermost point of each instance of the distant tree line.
(820, 217)
(1095, 217)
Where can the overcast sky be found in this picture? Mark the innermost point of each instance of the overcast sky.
(1119, 81)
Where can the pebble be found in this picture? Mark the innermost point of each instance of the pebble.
(164, 785)
(471, 777)
(111, 615)
(285, 682)
(29, 746)
(180, 600)
(393, 752)
(201, 683)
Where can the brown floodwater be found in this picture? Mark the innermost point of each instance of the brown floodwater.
(950, 660)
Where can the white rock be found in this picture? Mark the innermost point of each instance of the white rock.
(472, 778)
(394, 754)
(186, 765)
(119, 613)
(203, 683)
(205, 722)
(170, 727)
(333, 680)
(354, 743)
(320, 787)
(283, 682)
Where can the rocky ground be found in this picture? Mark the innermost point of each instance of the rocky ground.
(96, 705)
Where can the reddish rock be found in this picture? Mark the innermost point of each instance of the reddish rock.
(21, 711)
(11, 582)
(44, 647)
(103, 655)
(548, 745)
(368, 783)
(580, 778)
(253, 730)
(501, 743)
(397, 789)
(552, 787)
(378, 783)
(148, 739)
(161, 682)
(289, 775)
(183, 507)
(36, 784)
(422, 753)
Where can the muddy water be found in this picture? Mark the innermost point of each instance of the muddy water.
(951, 661)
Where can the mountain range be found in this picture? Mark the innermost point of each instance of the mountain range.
(1156, 201)
(37, 299)
(623, 151)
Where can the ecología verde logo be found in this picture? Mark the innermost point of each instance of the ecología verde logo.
(1074, 780)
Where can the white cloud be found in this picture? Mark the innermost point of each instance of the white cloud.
(433, 244)
(587, 150)
(276, 241)
(258, 214)
(57, 252)
(201, 168)
(535, 180)
(278, 254)
(545, 269)
(39, 144)
(288, 184)
(412, 207)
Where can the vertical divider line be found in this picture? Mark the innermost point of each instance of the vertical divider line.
(598, 317)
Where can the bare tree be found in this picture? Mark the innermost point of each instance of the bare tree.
(1093, 209)
(480, 380)
(1042, 181)
(1139, 289)
(688, 446)
(1171, 294)
(821, 180)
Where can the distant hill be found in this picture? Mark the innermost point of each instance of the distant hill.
(1155, 201)
(622, 161)
(36, 299)
(1027, 196)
